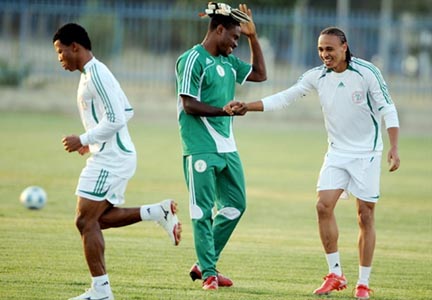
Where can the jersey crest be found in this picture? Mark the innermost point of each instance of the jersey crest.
(220, 70)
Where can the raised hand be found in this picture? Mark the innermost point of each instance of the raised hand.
(248, 29)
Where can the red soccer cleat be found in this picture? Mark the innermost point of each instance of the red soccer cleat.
(332, 282)
(195, 273)
(211, 283)
(362, 292)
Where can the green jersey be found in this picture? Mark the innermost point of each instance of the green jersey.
(211, 80)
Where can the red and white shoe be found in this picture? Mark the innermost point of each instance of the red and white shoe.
(362, 292)
(170, 221)
(211, 283)
(332, 282)
(195, 273)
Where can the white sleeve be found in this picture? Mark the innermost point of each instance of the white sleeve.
(380, 94)
(114, 114)
(104, 131)
(391, 118)
(282, 99)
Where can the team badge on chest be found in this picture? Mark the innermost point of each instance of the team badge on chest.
(357, 97)
(220, 70)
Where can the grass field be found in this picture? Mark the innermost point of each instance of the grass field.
(275, 252)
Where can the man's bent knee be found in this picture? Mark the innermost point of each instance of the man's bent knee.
(365, 214)
(365, 219)
(89, 213)
(83, 224)
(323, 209)
(231, 213)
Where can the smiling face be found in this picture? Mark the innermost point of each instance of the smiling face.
(332, 52)
(228, 39)
(67, 55)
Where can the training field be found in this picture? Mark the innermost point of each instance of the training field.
(275, 253)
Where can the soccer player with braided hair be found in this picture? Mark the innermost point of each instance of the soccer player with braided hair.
(206, 76)
(354, 99)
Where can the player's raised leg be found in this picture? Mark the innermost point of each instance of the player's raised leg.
(164, 213)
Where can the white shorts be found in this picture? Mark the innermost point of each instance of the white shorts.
(99, 184)
(358, 176)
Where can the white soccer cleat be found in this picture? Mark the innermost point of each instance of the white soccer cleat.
(91, 294)
(169, 221)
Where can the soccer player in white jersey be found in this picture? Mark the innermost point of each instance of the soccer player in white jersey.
(354, 99)
(206, 77)
(104, 111)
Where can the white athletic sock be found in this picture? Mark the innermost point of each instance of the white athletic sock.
(333, 261)
(101, 284)
(152, 212)
(364, 274)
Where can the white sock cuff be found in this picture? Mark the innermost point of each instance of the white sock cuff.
(334, 264)
(99, 280)
(152, 212)
(364, 275)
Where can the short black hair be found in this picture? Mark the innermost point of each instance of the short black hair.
(342, 37)
(226, 21)
(72, 32)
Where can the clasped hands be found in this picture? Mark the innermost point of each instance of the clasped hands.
(235, 108)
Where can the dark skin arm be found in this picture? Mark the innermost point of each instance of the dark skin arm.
(259, 72)
(194, 107)
(238, 108)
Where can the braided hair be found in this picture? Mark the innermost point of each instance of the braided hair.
(342, 37)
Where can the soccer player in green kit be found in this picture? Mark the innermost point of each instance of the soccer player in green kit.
(206, 76)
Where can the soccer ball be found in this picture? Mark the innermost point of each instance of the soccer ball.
(33, 197)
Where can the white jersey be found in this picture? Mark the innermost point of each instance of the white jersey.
(105, 111)
(353, 103)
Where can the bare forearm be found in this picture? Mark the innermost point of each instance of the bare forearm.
(197, 108)
(393, 133)
(257, 59)
(255, 106)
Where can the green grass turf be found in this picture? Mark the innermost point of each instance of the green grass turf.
(275, 253)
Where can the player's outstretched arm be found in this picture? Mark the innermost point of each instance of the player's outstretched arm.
(235, 108)
(241, 108)
(194, 107)
(255, 106)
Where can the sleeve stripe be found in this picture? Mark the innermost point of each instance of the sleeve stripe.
(187, 73)
(103, 94)
(378, 77)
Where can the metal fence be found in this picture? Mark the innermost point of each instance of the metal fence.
(141, 43)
